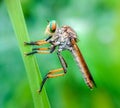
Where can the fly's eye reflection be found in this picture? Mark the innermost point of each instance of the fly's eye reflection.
(52, 26)
(61, 38)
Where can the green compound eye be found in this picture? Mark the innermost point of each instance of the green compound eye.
(52, 26)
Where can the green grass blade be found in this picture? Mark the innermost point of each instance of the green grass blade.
(17, 18)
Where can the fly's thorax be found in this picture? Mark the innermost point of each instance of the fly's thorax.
(61, 38)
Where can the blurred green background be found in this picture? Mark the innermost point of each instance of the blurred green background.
(97, 23)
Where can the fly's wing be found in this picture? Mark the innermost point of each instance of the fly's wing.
(82, 65)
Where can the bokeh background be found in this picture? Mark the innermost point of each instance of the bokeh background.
(97, 23)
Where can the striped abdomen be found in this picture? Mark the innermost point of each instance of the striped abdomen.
(83, 66)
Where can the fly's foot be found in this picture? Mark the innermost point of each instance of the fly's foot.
(30, 53)
(29, 43)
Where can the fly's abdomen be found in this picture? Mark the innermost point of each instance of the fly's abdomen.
(83, 66)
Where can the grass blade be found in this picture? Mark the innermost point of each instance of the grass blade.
(17, 18)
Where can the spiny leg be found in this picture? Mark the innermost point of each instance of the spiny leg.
(52, 49)
(62, 61)
(38, 51)
(43, 49)
(40, 42)
(52, 74)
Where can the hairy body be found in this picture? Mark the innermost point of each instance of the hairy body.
(62, 38)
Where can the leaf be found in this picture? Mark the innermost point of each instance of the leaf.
(33, 73)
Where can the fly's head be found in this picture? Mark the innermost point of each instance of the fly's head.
(51, 28)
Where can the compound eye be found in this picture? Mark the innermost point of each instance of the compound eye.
(52, 26)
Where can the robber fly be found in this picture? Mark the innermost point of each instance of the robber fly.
(62, 38)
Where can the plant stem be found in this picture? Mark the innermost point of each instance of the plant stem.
(18, 22)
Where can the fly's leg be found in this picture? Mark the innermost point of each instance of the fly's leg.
(63, 62)
(39, 51)
(52, 74)
(38, 43)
